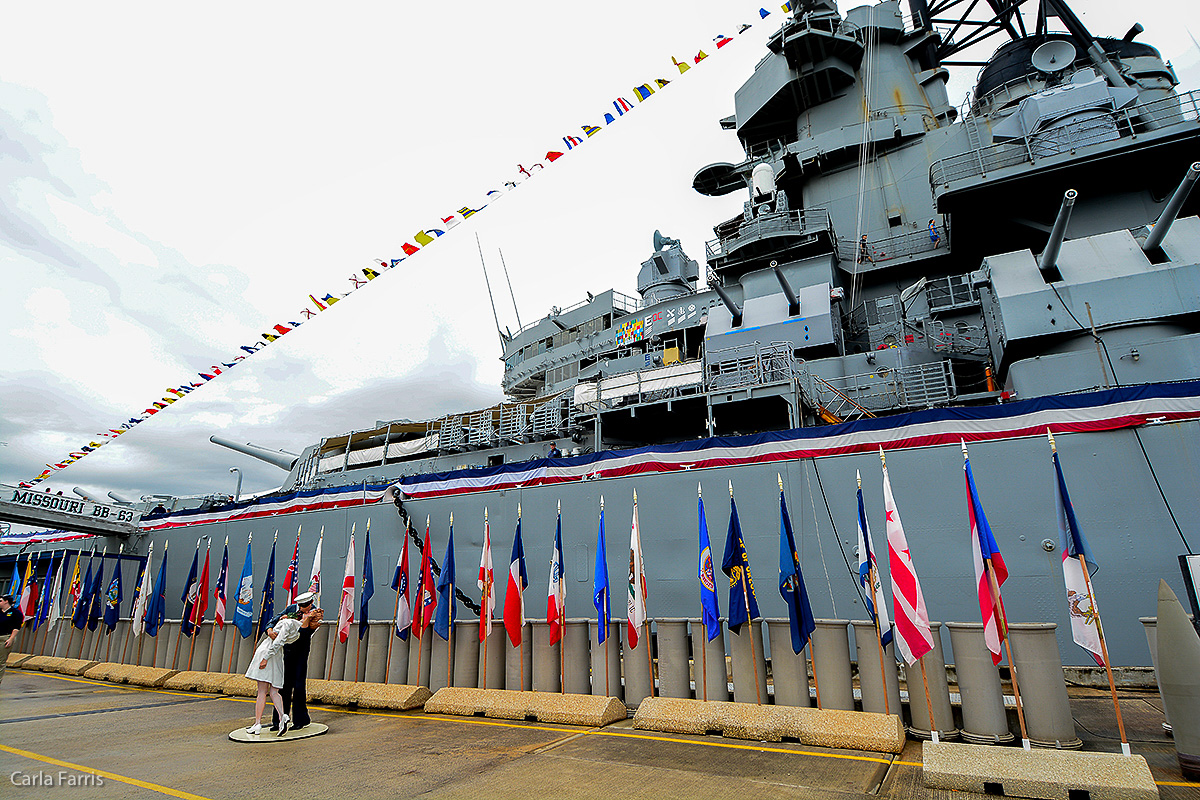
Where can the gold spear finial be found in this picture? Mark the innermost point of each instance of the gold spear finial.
(368, 524)
(227, 540)
(858, 475)
(601, 502)
(560, 506)
(731, 488)
(1050, 436)
(699, 490)
(518, 510)
(779, 480)
(353, 525)
(883, 457)
(485, 514)
(963, 442)
(451, 519)
(276, 539)
(635, 497)
(121, 549)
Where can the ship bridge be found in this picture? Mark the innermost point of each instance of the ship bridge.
(43, 509)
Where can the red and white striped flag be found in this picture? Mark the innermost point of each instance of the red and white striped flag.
(486, 582)
(346, 612)
(514, 596)
(556, 597)
(637, 580)
(915, 638)
(985, 551)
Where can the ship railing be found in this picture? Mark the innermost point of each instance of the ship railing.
(799, 222)
(752, 364)
(959, 338)
(1129, 122)
(624, 303)
(891, 248)
(913, 386)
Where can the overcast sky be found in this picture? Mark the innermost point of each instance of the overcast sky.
(176, 179)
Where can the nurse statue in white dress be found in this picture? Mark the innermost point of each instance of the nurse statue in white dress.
(266, 667)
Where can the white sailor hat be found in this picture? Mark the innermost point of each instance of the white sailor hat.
(304, 599)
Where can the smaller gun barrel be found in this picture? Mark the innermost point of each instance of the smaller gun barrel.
(793, 301)
(1168, 215)
(84, 494)
(734, 310)
(1048, 261)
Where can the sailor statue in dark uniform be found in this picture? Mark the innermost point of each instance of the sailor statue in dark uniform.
(295, 662)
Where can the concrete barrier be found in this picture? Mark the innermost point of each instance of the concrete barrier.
(394, 696)
(1050, 774)
(74, 666)
(674, 660)
(185, 681)
(789, 670)
(153, 677)
(831, 664)
(849, 730)
(17, 659)
(566, 709)
(241, 686)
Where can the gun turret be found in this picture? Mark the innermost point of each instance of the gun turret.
(1168, 215)
(734, 310)
(1048, 261)
(278, 458)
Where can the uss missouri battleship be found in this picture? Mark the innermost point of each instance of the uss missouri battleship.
(905, 274)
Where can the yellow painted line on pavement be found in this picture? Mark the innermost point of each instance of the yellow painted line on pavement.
(1178, 783)
(112, 776)
(756, 748)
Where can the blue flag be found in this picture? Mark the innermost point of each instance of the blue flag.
(873, 592)
(97, 598)
(188, 598)
(600, 588)
(156, 606)
(791, 583)
(112, 599)
(268, 597)
(243, 612)
(43, 610)
(79, 614)
(368, 588)
(446, 607)
(710, 610)
(736, 565)
(1070, 536)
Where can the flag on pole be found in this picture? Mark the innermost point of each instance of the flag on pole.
(600, 587)
(912, 619)
(243, 611)
(76, 586)
(80, 612)
(346, 609)
(1081, 604)
(446, 610)
(113, 598)
(268, 597)
(96, 598)
(710, 609)
(514, 596)
(426, 597)
(400, 587)
(137, 592)
(556, 596)
(191, 590)
(29, 590)
(791, 582)
(983, 546)
(314, 580)
(486, 582)
(202, 593)
(735, 565)
(291, 578)
(876, 598)
(141, 597)
(54, 613)
(636, 584)
(219, 592)
(368, 586)
(156, 606)
(43, 607)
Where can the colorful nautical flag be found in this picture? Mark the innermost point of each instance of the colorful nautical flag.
(267, 611)
(556, 593)
(683, 65)
(1081, 601)
(291, 578)
(868, 575)
(514, 595)
(426, 604)
(400, 587)
(722, 40)
(346, 607)
(590, 130)
(791, 581)
(572, 141)
(912, 619)
(643, 92)
(736, 565)
(710, 609)
(112, 599)
(190, 594)
(983, 550)
(368, 586)
(622, 105)
(486, 582)
(447, 609)
(243, 611)
(156, 606)
(600, 586)
(219, 592)
(636, 584)
(314, 577)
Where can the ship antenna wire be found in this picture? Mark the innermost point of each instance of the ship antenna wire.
(820, 547)
(510, 291)
(864, 151)
(492, 299)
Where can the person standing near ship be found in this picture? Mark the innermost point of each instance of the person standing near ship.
(11, 620)
(295, 663)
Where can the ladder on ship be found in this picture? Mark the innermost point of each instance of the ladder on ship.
(845, 409)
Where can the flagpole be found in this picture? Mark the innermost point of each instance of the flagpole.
(395, 614)
(154, 655)
(175, 658)
(421, 603)
(646, 624)
(562, 615)
(749, 621)
(196, 618)
(213, 635)
(1087, 580)
(485, 608)
(450, 619)
(129, 633)
(337, 632)
(606, 608)
(96, 644)
(872, 577)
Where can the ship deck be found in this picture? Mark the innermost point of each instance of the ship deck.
(146, 743)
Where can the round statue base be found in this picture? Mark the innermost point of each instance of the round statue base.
(271, 737)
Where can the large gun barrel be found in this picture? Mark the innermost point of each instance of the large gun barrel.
(124, 501)
(1168, 215)
(278, 458)
(734, 310)
(793, 301)
(84, 494)
(1048, 261)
